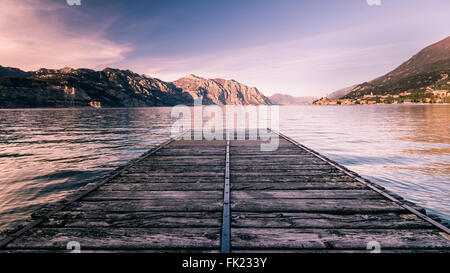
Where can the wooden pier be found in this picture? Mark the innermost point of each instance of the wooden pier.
(229, 196)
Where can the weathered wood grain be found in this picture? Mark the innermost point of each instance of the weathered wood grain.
(293, 178)
(190, 143)
(110, 251)
(145, 186)
(88, 219)
(260, 238)
(145, 178)
(322, 220)
(305, 194)
(184, 157)
(342, 206)
(148, 205)
(149, 169)
(296, 185)
(256, 143)
(184, 163)
(278, 167)
(175, 195)
(236, 163)
(340, 251)
(119, 238)
(191, 151)
(174, 174)
(297, 172)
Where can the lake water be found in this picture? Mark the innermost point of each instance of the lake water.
(46, 154)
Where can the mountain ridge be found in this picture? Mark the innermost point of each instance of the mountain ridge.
(111, 87)
(220, 91)
(426, 70)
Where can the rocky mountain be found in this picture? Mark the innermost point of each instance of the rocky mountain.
(427, 70)
(69, 87)
(220, 91)
(283, 99)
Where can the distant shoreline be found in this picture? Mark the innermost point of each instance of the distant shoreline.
(145, 107)
(418, 103)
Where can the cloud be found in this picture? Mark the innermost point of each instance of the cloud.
(35, 34)
(297, 66)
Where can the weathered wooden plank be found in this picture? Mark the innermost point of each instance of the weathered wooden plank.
(269, 162)
(192, 196)
(149, 205)
(272, 156)
(174, 174)
(88, 219)
(322, 220)
(110, 251)
(191, 151)
(259, 153)
(289, 161)
(145, 186)
(281, 149)
(264, 165)
(341, 251)
(145, 178)
(236, 144)
(274, 238)
(184, 157)
(198, 147)
(342, 206)
(178, 169)
(293, 178)
(189, 143)
(296, 185)
(289, 173)
(186, 163)
(119, 238)
(279, 167)
(305, 194)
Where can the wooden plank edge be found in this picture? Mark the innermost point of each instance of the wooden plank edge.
(367, 183)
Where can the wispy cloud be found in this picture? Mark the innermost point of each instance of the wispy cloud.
(35, 34)
(287, 66)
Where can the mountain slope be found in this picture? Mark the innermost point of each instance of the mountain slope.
(220, 91)
(340, 93)
(428, 69)
(84, 87)
(283, 99)
(69, 87)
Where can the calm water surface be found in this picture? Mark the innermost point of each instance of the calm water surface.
(47, 153)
